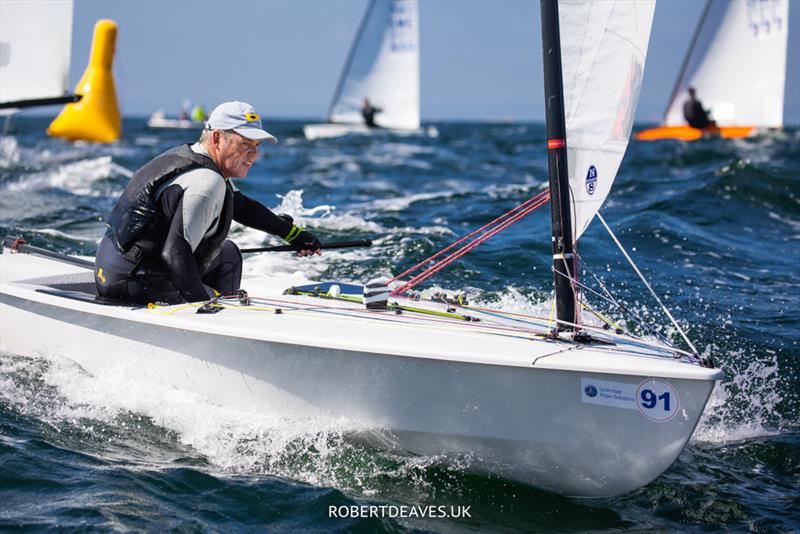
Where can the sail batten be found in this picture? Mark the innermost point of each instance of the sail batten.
(603, 47)
(383, 66)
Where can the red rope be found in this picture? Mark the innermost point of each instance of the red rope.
(426, 260)
(500, 224)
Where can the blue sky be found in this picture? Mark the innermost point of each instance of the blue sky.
(481, 59)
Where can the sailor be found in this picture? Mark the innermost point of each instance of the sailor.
(368, 112)
(185, 107)
(167, 236)
(695, 115)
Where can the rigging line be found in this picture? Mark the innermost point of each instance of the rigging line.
(607, 321)
(647, 284)
(628, 314)
(625, 311)
(413, 320)
(572, 283)
(533, 199)
(466, 248)
(587, 288)
(628, 337)
(541, 197)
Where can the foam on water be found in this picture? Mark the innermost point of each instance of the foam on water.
(9, 151)
(312, 448)
(402, 203)
(79, 178)
(322, 216)
(59, 234)
(745, 404)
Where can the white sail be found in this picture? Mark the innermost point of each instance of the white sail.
(35, 42)
(384, 67)
(603, 50)
(737, 64)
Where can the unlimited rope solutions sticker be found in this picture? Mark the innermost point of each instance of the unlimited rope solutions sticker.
(655, 399)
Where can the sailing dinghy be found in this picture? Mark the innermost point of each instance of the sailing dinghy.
(159, 121)
(383, 66)
(571, 408)
(737, 65)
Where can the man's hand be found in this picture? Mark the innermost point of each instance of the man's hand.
(307, 244)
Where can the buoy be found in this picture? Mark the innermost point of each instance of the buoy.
(95, 117)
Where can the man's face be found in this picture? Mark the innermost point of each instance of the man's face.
(235, 154)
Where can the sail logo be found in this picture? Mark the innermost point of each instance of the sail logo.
(591, 180)
(402, 35)
(764, 18)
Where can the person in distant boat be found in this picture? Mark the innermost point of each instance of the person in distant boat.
(368, 111)
(695, 114)
(199, 113)
(185, 107)
(167, 234)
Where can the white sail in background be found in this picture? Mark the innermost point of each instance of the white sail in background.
(603, 50)
(35, 43)
(384, 67)
(737, 64)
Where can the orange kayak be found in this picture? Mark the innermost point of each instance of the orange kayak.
(687, 133)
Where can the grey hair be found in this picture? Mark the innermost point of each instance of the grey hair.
(205, 136)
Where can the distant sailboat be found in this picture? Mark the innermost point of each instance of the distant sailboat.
(383, 66)
(34, 33)
(159, 121)
(737, 64)
(194, 119)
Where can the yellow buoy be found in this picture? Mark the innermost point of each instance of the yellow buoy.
(95, 117)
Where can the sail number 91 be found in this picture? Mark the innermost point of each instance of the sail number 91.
(657, 400)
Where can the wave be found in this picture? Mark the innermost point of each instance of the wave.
(130, 423)
(82, 178)
(746, 404)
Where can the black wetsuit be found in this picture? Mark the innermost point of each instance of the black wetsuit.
(695, 115)
(167, 265)
(368, 112)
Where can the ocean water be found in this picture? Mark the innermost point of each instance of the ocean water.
(715, 226)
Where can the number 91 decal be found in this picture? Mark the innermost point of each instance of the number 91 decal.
(657, 400)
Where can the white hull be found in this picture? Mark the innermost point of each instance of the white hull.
(161, 123)
(328, 130)
(517, 404)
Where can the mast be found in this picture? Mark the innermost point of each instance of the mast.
(561, 220)
(350, 55)
(685, 63)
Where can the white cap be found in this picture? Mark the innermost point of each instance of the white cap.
(241, 118)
